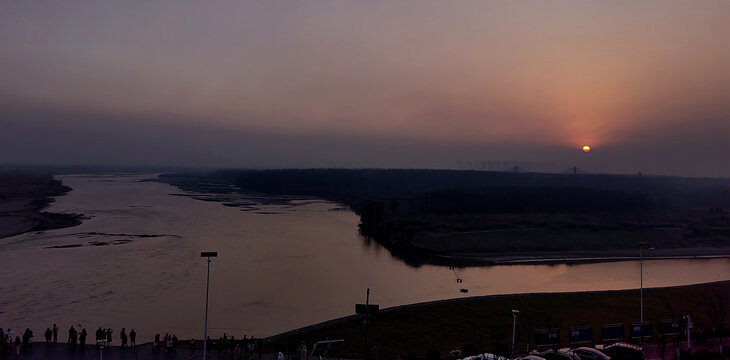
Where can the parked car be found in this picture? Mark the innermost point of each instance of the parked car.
(587, 353)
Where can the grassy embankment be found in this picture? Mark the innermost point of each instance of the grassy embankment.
(485, 323)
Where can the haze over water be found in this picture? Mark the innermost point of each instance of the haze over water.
(279, 267)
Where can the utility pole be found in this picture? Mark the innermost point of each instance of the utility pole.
(641, 246)
(514, 328)
(207, 254)
(689, 330)
(641, 270)
(367, 310)
(367, 320)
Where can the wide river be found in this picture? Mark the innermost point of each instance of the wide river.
(135, 263)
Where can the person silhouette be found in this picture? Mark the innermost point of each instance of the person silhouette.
(82, 339)
(17, 346)
(72, 337)
(99, 336)
(123, 337)
(191, 346)
(133, 338)
(27, 334)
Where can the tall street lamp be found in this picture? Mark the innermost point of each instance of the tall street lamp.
(514, 328)
(208, 254)
(641, 246)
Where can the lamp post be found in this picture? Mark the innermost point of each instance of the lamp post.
(208, 254)
(641, 246)
(514, 328)
(689, 330)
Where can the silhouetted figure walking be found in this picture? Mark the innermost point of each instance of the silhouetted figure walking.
(109, 337)
(219, 346)
(250, 347)
(123, 337)
(27, 335)
(82, 339)
(231, 345)
(72, 337)
(259, 346)
(17, 346)
(55, 333)
(291, 350)
(191, 346)
(48, 335)
(99, 336)
(9, 335)
(133, 338)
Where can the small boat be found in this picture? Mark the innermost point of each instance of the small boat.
(464, 290)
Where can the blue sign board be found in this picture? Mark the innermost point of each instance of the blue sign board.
(547, 337)
(641, 330)
(612, 332)
(583, 334)
(670, 327)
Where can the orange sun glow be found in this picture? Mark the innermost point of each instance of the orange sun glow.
(586, 148)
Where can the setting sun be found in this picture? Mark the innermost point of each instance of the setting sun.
(586, 148)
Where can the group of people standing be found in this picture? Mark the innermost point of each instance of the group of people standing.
(245, 348)
(74, 338)
(104, 337)
(10, 343)
(51, 333)
(169, 343)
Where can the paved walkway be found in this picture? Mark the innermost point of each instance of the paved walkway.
(41, 351)
(654, 351)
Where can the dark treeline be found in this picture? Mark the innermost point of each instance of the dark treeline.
(14, 184)
(445, 191)
(505, 199)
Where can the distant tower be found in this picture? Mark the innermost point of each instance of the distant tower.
(575, 170)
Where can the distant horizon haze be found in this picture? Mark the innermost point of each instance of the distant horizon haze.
(377, 84)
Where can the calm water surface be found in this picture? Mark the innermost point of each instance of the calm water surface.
(135, 263)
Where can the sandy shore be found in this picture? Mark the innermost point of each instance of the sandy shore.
(22, 200)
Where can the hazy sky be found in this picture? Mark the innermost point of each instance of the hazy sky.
(367, 83)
